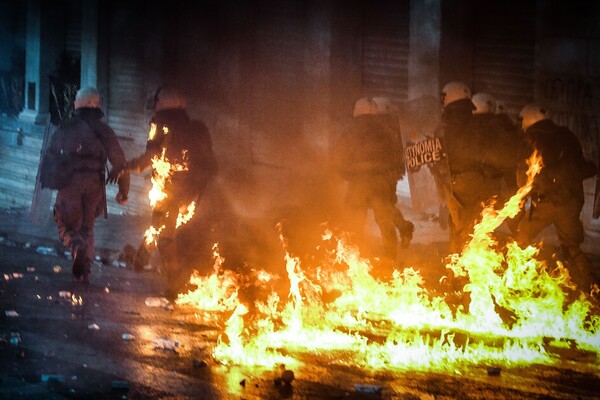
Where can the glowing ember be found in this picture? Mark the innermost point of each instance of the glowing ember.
(516, 309)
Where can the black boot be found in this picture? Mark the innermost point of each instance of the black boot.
(406, 233)
(78, 266)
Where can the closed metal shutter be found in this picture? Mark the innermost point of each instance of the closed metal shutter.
(385, 49)
(126, 92)
(127, 98)
(279, 81)
(73, 27)
(504, 56)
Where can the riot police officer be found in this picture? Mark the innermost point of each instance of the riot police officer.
(369, 157)
(557, 196)
(186, 145)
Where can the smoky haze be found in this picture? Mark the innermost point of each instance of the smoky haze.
(274, 173)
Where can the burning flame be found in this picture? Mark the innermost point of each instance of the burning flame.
(517, 310)
(76, 300)
(151, 235)
(217, 292)
(162, 171)
(185, 214)
(152, 131)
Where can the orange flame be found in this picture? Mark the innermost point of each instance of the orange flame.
(185, 214)
(399, 324)
(76, 300)
(152, 131)
(151, 235)
(162, 171)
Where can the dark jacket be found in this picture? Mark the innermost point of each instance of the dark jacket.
(368, 146)
(460, 142)
(564, 167)
(496, 145)
(90, 142)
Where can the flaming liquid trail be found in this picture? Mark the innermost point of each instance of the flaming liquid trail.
(217, 292)
(399, 325)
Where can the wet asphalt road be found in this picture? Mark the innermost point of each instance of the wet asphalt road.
(59, 342)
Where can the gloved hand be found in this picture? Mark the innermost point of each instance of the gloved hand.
(121, 198)
(114, 175)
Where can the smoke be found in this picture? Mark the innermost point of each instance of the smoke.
(266, 178)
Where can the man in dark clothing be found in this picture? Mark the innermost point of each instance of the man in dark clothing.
(368, 156)
(471, 174)
(388, 114)
(557, 196)
(455, 175)
(185, 147)
(90, 142)
(499, 150)
(514, 136)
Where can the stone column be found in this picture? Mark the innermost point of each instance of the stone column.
(36, 107)
(89, 43)
(94, 46)
(41, 53)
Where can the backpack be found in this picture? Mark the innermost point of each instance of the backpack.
(58, 163)
(56, 169)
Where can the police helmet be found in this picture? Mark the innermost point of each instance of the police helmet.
(384, 105)
(532, 113)
(454, 91)
(484, 103)
(88, 97)
(167, 97)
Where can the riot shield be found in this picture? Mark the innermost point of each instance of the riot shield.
(41, 211)
(419, 119)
